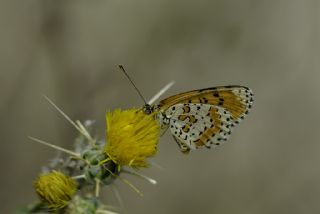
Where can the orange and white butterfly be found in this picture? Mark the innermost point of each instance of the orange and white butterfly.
(203, 118)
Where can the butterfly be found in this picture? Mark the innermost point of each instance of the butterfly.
(203, 118)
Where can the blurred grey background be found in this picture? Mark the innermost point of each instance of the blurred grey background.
(69, 50)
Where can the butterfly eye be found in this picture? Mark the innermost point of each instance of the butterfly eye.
(147, 109)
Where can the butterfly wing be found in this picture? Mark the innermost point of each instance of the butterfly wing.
(205, 118)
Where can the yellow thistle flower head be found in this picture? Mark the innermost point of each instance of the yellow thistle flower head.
(55, 189)
(132, 136)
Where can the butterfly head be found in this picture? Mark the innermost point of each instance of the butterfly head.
(148, 109)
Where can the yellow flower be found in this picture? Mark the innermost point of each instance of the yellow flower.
(55, 189)
(132, 136)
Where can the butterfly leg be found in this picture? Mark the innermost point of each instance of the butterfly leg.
(163, 130)
(183, 147)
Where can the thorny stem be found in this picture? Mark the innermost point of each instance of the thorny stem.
(97, 187)
(92, 141)
(118, 196)
(78, 177)
(152, 181)
(162, 91)
(84, 133)
(126, 182)
(56, 147)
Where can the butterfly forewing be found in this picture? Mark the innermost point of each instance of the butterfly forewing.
(205, 118)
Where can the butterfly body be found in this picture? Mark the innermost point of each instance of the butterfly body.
(203, 118)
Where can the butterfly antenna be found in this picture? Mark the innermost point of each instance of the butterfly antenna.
(125, 73)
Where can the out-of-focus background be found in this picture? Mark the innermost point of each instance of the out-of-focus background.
(69, 50)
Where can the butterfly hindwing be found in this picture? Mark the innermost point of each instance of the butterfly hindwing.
(205, 118)
(203, 126)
